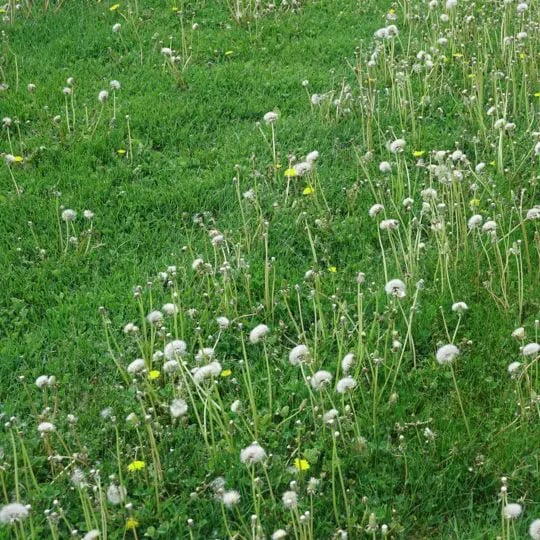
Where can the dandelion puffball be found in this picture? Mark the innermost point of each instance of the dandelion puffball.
(531, 349)
(230, 498)
(345, 385)
(178, 408)
(447, 354)
(12, 512)
(512, 510)
(270, 117)
(254, 453)
(396, 287)
(298, 354)
(290, 499)
(258, 333)
(103, 96)
(534, 529)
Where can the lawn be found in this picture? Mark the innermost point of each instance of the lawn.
(270, 269)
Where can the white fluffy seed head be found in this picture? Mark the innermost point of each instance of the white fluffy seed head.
(396, 287)
(116, 494)
(534, 529)
(178, 408)
(136, 366)
(174, 349)
(271, 117)
(103, 96)
(347, 363)
(230, 498)
(459, 307)
(320, 379)
(298, 355)
(531, 349)
(258, 333)
(12, 512)
(447, 354)
(254, 453)
(512, 510)
(346, 385)
(290, 499)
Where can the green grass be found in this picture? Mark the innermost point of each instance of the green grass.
(187, 142)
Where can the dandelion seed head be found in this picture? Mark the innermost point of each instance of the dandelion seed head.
(258, 333)
(346, 384)
(279, 534)
(116, 494)
(320, 379)
(447, 354)
(347, 363)
(460, 307)
(230, 498)
(46, 427)
(531, 349)
(136, 366)
(512, 510)
(13, 512)
(103, 96)
(290, 499)
(375, 210)
(175, 349)
(271, 117)
(155, 317)
(178, 408)
(389, 224)
(534, 529)
(475, 221)
(115, 85)
(69, 215)
(397, 146)
(254, 453)
(116, 28)
(298, 355)
(396, 287)
(92, 535)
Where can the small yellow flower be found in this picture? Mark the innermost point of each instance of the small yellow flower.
(154, 374)
(458, 55)
(391, 11)
(473, 203)
(19, 159)
(301, 464)
(278, 165)
(308, 190)
(290, 173)
(229, 53)
(136, 466)
(537, 94)
(114, 7)
(418, 153)
(522, 55)
(120, 151)
(492, 163)
(332, 269)
(226, 373)
(2, 10)
(131, 523)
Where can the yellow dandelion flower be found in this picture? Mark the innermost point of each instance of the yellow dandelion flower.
(308, 190)
(473, 203)
(226, 373)
(2, 10)
(278, 165)
(114, 7)
(457, 55)
(391, 11)
(492, 163)
(290, 173)
(418, 153)
(537, 94)
(120, 151)
(154, 374)
(229, 53)
(301, 464)
(332, 269)
(136, 465)
(131, 523)
(19, 159)
(522, 55)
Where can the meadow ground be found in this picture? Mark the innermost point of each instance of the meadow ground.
(312, 224)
